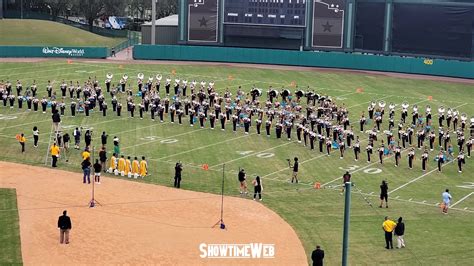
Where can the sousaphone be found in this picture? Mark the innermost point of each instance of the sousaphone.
(382, 104)
(125, 77)
(158, 77)
(140, 75)
(405, 105)
(441, 109)
(109, 75)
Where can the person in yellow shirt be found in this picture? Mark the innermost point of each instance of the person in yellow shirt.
(135, 168)
(85, 154)
(388, 226)
(121, 166)
(128, 167)
(113, 164)
(54, 150)
(22, 141)
(143, 167)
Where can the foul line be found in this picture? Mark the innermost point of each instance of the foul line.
(459, 201)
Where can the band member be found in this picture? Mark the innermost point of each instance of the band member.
(44, 104)
(19, 87)
(54, 150)
(119, 109)
(357, 149)
(398, 154)
(469, 146)
(278, 129)
(86, 107)
(104, 109)
(288, 126)
(424, 160)
(135, 168)
(180, 114)
(370, 109)
(191, 117)
(258, 123)
(35, 104)
(381, 150)
(121, 165)
(77, 138)
(172, 113)
(113, 164)
(63, 88)
(440, 160)
(328, 146)
(202, 118)
(143, 167)
(242, 176)
(411, 157)
(167, 86)
(20, 102)
(369, 149)
(461, 161)
(447, 139)
(34, 89)
(268, 125)
(73, 109)
(341, 148)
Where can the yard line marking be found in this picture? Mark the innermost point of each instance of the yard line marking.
(252, 154)
(152, 141)
(418, 178)
(30, 66)
(459, 201)
(202, 147)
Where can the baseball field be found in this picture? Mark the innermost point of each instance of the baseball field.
(316, 215)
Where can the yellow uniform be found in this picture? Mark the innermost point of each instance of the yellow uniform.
(22, 139)
(85, 155)
(389, 226)
(128, 166)
(113, 163)
(143, 168)
(135, 167)
(121, 165)
(54, 150)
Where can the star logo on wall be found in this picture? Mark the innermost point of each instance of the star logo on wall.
(327, 27)
(203, 22)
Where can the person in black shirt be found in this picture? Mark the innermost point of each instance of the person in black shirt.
(242, 181)
(383, 194)
(103, 158)
(399, 232)
(103, 138)
(88, 138)
(258, 187)
(317, 256)
(86, 164)
(97, 170)
(345, 178)
(56, 120)
(294, 177)
(64, 225)
(177, 174)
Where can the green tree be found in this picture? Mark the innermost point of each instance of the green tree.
(93, 9)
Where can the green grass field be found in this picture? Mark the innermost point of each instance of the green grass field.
(10, 253)
(316, 215)
(43, 33)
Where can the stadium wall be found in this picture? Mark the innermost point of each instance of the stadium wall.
(411, 65)
(53, 51)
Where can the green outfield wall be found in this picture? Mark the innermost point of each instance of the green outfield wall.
(53, 51)
(411, 65)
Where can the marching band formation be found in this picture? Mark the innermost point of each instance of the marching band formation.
(316, 120)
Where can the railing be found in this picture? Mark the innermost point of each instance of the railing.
(133, 38)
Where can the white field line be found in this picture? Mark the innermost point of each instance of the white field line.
(418, 178)
(202, 147)
(252, 154)
(25, 124)
(42, 71)
(459, 201)
(152, 141)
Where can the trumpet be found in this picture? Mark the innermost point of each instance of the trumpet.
(441, 109)
(110, 75)
(158, 77)
(405, 105)
(382, 104)
(140, 75)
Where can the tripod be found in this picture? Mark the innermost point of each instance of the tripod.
(221, 220)
(93, 201)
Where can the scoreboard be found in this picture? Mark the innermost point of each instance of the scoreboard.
(290, 13)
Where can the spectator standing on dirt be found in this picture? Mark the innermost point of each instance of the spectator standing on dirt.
(64, 225)
(317, 256)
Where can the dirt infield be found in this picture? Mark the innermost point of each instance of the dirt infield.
(137, 223)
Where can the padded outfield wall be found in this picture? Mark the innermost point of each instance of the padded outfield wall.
(411, 65)
(53, 51)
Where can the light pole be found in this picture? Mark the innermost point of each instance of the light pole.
(347, 210)
(153, 23)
